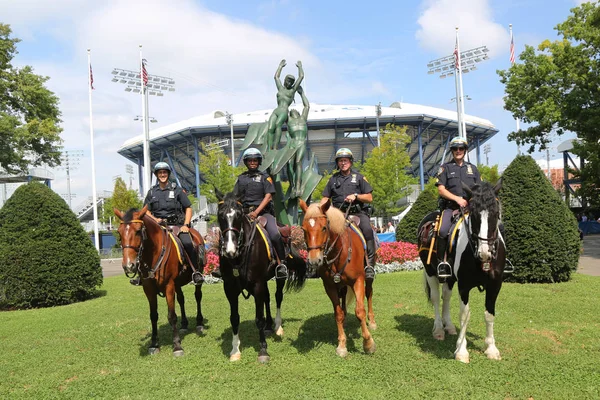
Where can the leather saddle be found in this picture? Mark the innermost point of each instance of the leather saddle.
(284, 230)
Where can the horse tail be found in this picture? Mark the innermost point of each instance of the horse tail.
(296, 280)
(426, 286)
(350, 297)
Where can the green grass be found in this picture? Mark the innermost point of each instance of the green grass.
(547, 335)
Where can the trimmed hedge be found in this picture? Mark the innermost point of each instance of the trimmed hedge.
(46, 258)
(406, 231)
(542, 239)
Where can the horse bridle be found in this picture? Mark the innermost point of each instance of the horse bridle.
(139, 249)
(492, 241)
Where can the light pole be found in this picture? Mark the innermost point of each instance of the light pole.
(70, 161)
(457, 64)
(129, 170)
(154, 85)
(377, 115)
(230, 122)
(487, 149)
(141, 118)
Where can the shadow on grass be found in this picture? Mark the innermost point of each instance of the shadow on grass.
(420, 328)
(322, 329)
(165, 334)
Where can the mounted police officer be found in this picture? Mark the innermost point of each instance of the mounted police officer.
(255, 189)
(168, 204)
(349, 188)
(450, 176)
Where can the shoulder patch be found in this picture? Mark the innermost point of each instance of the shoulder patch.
(269, 179)
(365, 178)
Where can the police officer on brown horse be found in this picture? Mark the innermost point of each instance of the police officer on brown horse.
(450, 176)
(168, 204)
(349, 188)
(255, 190)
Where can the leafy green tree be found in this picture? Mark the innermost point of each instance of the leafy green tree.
(386, 167)
(46, 258)
(542, 239)
(317, 194)
(555, 89)
(122, 199)
(29, 114)
(216, 172)
(406, 231)
(489, 174)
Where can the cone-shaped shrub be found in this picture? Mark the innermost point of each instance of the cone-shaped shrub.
(541, 232)
(46, 258)
(406, 231)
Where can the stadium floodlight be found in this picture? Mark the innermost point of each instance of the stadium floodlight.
(457, 64)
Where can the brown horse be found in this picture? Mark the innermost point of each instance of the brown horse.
(148, 250)
(336, 251)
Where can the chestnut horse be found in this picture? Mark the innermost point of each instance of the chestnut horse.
(478, 260)
(336, 252)
(148, 250)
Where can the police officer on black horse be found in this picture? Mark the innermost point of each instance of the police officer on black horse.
(168, 204)
(255, 189)
(349, 188)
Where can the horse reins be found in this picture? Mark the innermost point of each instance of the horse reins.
(139, 249)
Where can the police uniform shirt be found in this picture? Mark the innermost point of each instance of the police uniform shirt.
(252, 186)
(167, 202)
(340, 186)
(451, 175)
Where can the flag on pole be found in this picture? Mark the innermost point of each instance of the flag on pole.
(144, 72)
(456, 56)
(91, 78)
(512, 49)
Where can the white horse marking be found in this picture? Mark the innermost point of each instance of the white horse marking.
(235, 354)
(312, 222)
(484, 247)
(491, 351)
(461, 353)
(230, 245)
(278, 320)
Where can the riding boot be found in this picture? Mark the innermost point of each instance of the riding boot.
(369, 268)
(444, 270)
(137, 281)
(281, 271)
(197, 277)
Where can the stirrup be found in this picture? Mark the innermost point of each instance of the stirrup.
(444, 270)
(369, 272)
(197, 278)
(136, 281)
(509, 268)
(281, 271)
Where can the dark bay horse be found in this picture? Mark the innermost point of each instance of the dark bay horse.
(477, 257)
(148, 250)
(245, 266)
(336, 251)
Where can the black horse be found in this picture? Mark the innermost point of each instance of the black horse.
(478, 259)
(246, 266)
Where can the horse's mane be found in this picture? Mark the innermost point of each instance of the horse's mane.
(337, 222)
(230, 200)
(484, 198)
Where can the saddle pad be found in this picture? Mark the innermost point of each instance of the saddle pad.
(179, 246)
(264, 236)
(360, 235)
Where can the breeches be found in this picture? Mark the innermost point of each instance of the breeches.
(446, 223)
(365, 226)
(271, 227)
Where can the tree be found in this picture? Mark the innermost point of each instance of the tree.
(318, 192)
(122, 199)
(489, 174)
(216, 172)
(46, 258)
(385, 168)
(406, 231)
(541, 234)
(556, 89)
(29, 114)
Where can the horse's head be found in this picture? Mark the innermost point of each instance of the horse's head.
(484, 220)
(133, 233)
(231, 219)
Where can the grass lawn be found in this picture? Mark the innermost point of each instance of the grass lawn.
(548, 336)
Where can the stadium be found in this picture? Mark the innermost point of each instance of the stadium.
(329, 128)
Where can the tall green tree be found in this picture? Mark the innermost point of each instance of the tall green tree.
(427, 202)
(556, 88)
(386, 169)
(216, 172)
(29, 114)
(122, 198)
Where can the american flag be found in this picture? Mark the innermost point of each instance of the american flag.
(144, 72)
(512, 49)
(91, 78)
(456, 56)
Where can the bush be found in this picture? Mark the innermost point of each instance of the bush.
(46, 258)
(541, 232)
(426, 203)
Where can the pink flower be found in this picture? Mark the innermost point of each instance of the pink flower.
(400, 252)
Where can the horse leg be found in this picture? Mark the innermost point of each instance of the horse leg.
(339, 319)
(269, 316)
(199, 316)
(151, 294)
(491, 294)
(371, 314)
(172, 316)
(259, 302)
(446, 296)
(361, 315)
(181, 300)
(232, 294)
(279, 299)
(461, 353)
(433, 290)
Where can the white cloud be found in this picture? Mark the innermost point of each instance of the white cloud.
(439, 19)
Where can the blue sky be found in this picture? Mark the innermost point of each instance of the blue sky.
(223, 53)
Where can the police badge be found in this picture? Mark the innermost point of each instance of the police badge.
(469, 170)
(353, 178)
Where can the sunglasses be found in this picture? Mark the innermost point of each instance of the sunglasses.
(461, 148)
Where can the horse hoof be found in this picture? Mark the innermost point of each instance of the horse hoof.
(199, 330)
(268, 332)
(451, 330)
(493, 354)
(439, 335)
(235, 357)
(463, 358)
(183, 331)
(178, 353)
(372, 326)
(279, 332)
(369, 346)
(264, 359)
(341, 352)
(153, 350)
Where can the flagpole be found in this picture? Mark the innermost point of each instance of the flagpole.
(145, 123)
(460, 95)
(512, 61)
(94, 195)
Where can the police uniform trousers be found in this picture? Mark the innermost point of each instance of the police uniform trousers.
(365, 226)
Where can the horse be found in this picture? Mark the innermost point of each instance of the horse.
(336, 252)
(148, 250)
(478, 259)
(246, 266)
